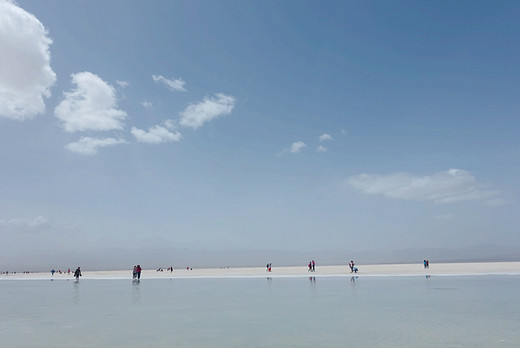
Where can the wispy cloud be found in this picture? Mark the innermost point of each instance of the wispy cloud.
(122, 84)
(157, 134)
(147, 105)
(196, 115)
(321, 148)
(444, 187)
(25, 72)
(38, 222)
(175, 84)
(90, 146)
(325, 137)
(92, 105)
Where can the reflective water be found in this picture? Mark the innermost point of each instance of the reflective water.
(442, 311)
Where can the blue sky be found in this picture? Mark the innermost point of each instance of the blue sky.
(273, 125)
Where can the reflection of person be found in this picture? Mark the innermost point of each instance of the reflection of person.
(138, 271)
(77, 274)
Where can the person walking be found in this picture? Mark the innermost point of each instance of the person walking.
(313, 266)
(77, 273)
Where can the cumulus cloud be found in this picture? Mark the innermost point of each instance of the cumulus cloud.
(175, 84)
(444, 187)
(90, 146)
(195, 115)
(325, 136)
(25, 72)
(297, 146)
(157, 134)
(92, 105)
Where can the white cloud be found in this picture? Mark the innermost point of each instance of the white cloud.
(91, 106)
(195, 115)
(157, 134)
(176, 84)
(147, 105)
(297, 147)
(343, 132)
(25, 72)
(321, 148)
(90, 146)
(444, 187)
(122, 84)
(325, 136)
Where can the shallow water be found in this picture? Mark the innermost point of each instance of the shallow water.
(413, 311)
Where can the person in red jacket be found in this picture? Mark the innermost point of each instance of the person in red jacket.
(138, 270)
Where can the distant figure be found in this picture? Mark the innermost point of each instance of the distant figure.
(68, 271)
(269, 267)
(351, 265)
(310, 266)
(425, 263)
(77, 274)
(53, 271)
(355, 270)
(138, 270)
(134, 272)
(313, 266)
(171, 269)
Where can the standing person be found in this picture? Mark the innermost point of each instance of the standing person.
(310, 266)
(270, 266)
(424, 262)
(351, 265)
(313, 266)
(134, 272)
(77, 274)
(427, 263)
(138, 270)
(171, 269)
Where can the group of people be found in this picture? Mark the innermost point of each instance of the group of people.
(77, 273)
(353, 268)
(426, 263)
(137, 272)
(312, 266)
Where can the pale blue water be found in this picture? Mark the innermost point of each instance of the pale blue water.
(442, 311)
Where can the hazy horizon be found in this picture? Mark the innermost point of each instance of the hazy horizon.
(131, 130)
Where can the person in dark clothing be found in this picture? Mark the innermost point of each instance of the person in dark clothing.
(77, 274)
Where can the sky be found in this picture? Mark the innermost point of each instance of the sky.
(135, 130)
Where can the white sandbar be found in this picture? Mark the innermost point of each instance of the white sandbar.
(446, 269)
